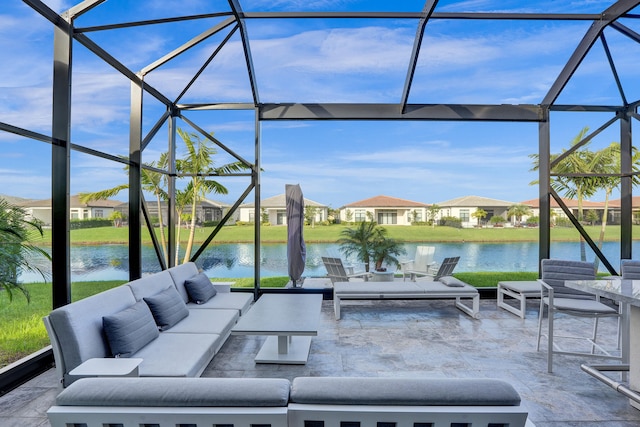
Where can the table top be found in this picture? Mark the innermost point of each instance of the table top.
(281, 314)
(616, 289)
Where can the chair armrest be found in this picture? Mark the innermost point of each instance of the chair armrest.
(406, 265)
(544, 288)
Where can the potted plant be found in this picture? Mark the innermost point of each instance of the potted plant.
(369, 242)
(386, 250)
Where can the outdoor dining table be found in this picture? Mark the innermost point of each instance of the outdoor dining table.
(627, 294)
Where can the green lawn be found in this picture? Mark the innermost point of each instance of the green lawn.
(331, 233)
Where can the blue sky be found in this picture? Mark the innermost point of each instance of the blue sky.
(315, 60)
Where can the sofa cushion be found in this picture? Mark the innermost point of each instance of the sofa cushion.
(150, 285)
(403, 391)
(240, 301)
(130, 329)
(79, 329)
(178, 355)
(167, 308)
(206, 322)
(199, 288)
(451, 281)
(177, 392)
(179, 274)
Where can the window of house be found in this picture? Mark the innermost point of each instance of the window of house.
(387, 217)
(281, 217)
(360, 215)
(252, 216)
(464, 215)
(99, 213)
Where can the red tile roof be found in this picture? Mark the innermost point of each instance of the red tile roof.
(386, 202)
(571, 203)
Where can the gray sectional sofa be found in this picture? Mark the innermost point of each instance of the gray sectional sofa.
(305, 401)
(152, 318)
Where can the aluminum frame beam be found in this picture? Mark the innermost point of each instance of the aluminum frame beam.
(429, 6)
(246, 47)
(60, 167)
(498, 113)
(612, 13)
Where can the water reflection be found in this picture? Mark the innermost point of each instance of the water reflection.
(110, 262)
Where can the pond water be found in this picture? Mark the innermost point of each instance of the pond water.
(110, 262)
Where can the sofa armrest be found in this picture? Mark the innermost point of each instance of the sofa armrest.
(222, 286)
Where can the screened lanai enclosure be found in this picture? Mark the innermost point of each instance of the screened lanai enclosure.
(124, 79)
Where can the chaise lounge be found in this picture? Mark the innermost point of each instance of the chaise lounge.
(447, 287)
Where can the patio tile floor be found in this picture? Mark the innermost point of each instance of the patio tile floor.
(412, 339)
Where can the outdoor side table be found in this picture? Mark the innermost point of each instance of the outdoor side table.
(519, 290)
(108, 367)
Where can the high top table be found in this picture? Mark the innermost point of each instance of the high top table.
(627, 294)
(289, 320)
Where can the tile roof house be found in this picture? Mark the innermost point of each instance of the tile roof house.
(206, 210)
(464, 207)
(275, 208)
(572, 204)
(385, 210)
(41, 209)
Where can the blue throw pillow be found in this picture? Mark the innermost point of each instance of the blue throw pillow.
(167, 307)
(130, 329)
(199, 288)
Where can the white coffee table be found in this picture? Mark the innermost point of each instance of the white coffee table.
(289, 320)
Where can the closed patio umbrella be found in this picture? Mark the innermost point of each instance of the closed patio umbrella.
(296, 249)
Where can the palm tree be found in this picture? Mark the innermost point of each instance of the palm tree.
(16, 251)
(198, 163)
(358, 241)
(518, 211)
(480, 214)
(152, 182)
(574, 187)
(385, 249)
(608, 162)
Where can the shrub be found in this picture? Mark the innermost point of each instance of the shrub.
(210, 223)
(497, 220)
(77, 224)
(451, 221)
(533, 221)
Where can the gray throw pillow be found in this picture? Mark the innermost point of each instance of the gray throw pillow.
(451, 281)
(199, 288)
(130, 329)
(167, 307)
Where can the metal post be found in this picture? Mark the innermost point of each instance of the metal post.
(171, 203)
(256, 214)
(60, 161)
(544, 184)
(626, 184)
(135, 188)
